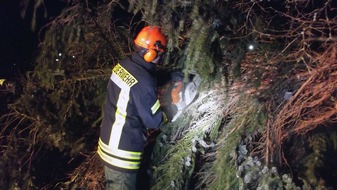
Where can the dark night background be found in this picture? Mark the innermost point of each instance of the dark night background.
(18, 42)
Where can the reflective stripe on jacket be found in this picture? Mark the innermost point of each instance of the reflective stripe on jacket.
(131, 107)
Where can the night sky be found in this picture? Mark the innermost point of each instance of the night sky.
(16, 39)
(18, 43)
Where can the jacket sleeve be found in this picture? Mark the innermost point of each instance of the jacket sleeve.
(148, 107)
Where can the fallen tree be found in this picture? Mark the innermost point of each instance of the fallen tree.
(264, 117)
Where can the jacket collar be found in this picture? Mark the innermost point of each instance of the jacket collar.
(141, 62)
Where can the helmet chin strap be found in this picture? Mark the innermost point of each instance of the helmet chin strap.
(156, 61)
(141, 52)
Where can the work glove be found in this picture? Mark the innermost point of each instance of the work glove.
(165, 119)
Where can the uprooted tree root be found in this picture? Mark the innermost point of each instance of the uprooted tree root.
(312, 105)
(89, 174)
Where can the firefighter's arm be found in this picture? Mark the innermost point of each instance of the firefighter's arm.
(148, 108)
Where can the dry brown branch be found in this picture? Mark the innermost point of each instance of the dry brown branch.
(90, 174)
(313, 104)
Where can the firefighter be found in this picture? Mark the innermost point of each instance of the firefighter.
(131, 108)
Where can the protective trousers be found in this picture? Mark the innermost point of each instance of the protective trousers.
(116, 180)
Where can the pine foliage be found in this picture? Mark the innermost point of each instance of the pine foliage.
(182, 142)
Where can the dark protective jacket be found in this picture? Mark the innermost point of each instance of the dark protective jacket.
(131, 107)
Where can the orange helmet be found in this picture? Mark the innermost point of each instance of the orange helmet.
(151, 37)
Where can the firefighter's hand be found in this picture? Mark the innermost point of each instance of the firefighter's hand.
(166, 119)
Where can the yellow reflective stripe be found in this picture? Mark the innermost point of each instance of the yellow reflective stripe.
(120, 114)
(124, 75)
(2, 81)
(116, 130)
(132, 165)
(118, 152)
(155, 107)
